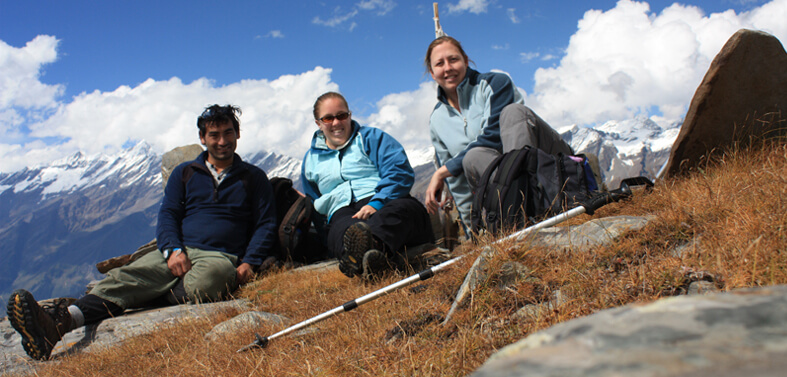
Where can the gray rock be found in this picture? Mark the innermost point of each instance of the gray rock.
(478, 272)
(534, 311)
(746, 82)
(742, 333)
(588, 235)
(702, 287)
(688, 247)
(177, 156)
(244, 322)
(512, 273)
(317, 267)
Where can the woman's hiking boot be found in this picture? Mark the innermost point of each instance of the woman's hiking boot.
(40, 327)
(357, 240)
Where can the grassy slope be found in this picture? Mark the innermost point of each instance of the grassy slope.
(731, 212)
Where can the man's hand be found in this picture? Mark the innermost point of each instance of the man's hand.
(244, 273)
(365, 212)
(179, 263)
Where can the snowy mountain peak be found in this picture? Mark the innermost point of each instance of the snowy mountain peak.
(421, 156)
(80, 171)
(639, 128)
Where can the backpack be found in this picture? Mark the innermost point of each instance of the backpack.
(296, 242)
(528, 184)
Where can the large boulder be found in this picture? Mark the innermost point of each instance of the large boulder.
(742, 97)
(177, 156)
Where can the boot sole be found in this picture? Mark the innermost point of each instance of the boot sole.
(25, 321)
(357, 241)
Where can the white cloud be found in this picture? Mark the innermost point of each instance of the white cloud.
(528, 56)
(472, 6)
(381, 6)
(340, 16)
(337, 19)
(501, 47)
(511, 12)
(23, 97)
(20, 69)
(275, 118)
(629, 60)
(275, 34)
(548, 57)
(405, 115)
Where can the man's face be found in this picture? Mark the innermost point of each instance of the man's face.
(221, 141)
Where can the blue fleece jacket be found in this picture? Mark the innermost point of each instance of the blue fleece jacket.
(482, 97)
(372, 164)
(236, 217)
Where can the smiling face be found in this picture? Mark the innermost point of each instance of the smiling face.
(336, 132)
(221, 141)
(448, 66)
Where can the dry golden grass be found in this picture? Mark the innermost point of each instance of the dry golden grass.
(729, 216)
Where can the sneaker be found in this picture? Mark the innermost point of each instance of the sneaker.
(40, 327)
(374, 263)
(357, 240)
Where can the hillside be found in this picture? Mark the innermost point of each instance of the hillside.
(723, 224)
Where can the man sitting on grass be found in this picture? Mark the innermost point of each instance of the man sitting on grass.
(216, 225)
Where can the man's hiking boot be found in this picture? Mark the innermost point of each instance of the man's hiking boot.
(357, 240)
(374, 263)
(40, 327)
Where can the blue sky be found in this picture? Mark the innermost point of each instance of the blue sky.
(98, 76)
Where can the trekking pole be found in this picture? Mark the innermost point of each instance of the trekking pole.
(262, 341)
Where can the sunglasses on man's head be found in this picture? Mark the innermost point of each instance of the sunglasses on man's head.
(329, 118)
(216, 110)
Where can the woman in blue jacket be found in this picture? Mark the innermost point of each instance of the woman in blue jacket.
(360, 180)
(478, 116)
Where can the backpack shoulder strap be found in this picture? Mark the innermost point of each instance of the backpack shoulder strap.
(480, 194)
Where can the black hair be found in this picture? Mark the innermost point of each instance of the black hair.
(219, 115)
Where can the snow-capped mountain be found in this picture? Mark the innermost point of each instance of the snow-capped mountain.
(627, 148)
(58, 220)
(634, 147)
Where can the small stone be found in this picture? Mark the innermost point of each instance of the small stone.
(244, 322)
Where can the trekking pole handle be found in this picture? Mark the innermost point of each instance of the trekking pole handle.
(598, 201)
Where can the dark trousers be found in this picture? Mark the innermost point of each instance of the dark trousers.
(400, 223)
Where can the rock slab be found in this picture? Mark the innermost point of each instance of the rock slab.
(741, 333)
